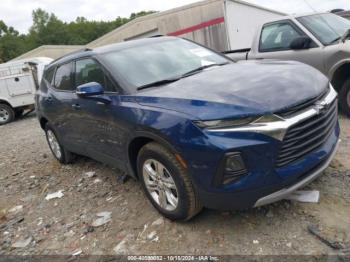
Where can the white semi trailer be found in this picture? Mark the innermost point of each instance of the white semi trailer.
(222, 25)
(18, 83)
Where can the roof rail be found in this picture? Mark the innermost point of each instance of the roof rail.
(86, 49)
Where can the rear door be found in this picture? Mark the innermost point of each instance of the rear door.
(58, 103)
(275, 40)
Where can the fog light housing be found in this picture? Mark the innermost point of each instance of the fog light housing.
(234, 163)
(232, 169)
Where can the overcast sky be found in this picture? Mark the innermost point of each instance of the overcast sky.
(17, 13)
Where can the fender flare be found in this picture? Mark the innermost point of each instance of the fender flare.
(158, 138)
(335, 67)
(4, 100)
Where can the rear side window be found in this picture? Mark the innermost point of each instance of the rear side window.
(63, 78)
(88, 70)
(277, 37)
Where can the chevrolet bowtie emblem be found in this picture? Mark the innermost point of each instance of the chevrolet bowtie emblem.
(321, 107)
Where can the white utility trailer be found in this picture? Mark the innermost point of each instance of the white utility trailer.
(18, 83)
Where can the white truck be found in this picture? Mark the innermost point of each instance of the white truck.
(18, 83)
(320, 40)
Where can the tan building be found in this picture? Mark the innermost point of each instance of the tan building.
(51, 51)
(219, 24)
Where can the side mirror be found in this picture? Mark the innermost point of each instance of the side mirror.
(301, 42)
(89, 89)
(345, 36)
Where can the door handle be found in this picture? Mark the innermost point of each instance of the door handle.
(76, 106)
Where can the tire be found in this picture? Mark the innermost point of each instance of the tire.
(172, 179)
(344, 98)
(19, 112)
(57, 149)
(7, 114)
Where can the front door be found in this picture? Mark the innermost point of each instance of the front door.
(99, 123)
(275, 43)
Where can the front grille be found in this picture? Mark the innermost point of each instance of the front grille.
(306, 104)
(307, 136)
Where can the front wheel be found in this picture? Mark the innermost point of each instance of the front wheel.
(166, 183)
(58, 150)
(344, 98)
(7, 114)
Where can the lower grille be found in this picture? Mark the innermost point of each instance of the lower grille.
(307, 136)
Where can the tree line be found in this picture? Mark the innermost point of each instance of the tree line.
(48, 29)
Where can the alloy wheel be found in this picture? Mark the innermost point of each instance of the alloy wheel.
(54, 145)
(160, 184)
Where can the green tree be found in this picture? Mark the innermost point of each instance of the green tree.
(48, 29)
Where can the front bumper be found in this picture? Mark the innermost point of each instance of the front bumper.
(265, 182)
(266, 194)
(281, 194)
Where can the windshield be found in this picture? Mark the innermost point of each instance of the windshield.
(328, 28)
(145, 64)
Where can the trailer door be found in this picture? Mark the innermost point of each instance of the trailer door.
(19, 85)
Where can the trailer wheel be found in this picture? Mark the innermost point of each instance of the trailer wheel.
(7, 114)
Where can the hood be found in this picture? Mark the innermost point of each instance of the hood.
(237, 90)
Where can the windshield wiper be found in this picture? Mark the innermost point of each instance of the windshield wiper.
(201, 68)
(171, 80)
(158, 83)
(345, 36)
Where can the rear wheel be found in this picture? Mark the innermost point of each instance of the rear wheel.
(57, 149)
(344, 98)
(166, 183)
(7, 114)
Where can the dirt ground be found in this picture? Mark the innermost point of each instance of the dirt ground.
(30, 224)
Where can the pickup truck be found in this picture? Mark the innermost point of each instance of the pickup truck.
(320, 40)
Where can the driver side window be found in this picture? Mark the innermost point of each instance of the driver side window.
(278, 37)
(88, 70)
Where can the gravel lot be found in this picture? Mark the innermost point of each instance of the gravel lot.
(30, 224)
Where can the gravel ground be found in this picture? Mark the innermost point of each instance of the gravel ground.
(30, 224)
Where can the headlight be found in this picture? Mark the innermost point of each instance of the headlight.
(237, 123)
(215, 124)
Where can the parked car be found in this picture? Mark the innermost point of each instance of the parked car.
(18, 82)
(194, 127)
(319, 40)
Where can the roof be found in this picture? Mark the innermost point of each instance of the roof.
(37, 60)
(111, 47)
(300, 15)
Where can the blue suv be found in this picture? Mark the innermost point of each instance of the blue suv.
(196, 128)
